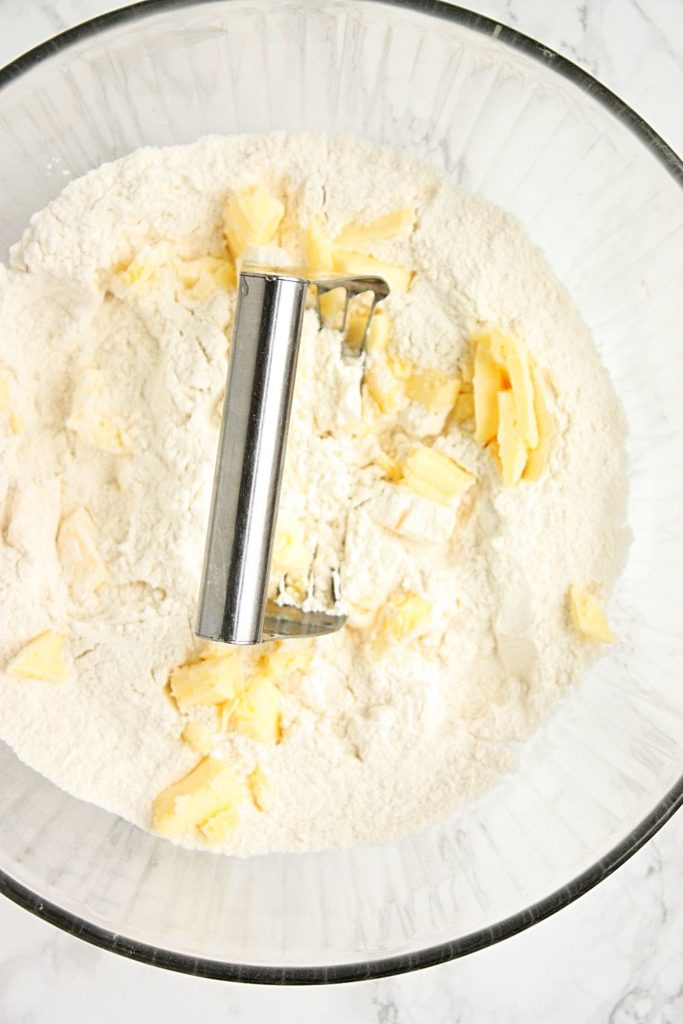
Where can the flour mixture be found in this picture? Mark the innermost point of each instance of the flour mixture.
(467, 480)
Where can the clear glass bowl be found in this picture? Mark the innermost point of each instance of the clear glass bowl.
(601, 194)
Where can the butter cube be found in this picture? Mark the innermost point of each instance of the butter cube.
(107, 433)
(464, 407)
(77, 547)
(387, 226)
(356, 325)
(204, 275)
(146, 272)
(588, 615)
(363, 611)
(433, 389)
(538, 457)
(93, 423)
(290, 236)
(212, 650)
(291, 552)
(260, 789)
(198, 736)
(218, 826)
(206, 682)
(138, 276)
(410, 515)
(512, 450)
(256, 711)
(467, 371)
(383, 387)
(397, 276)
(390, 466)
(401, 618)
(510, 354)
(42, 659)
(251, 218)
(435, 476)
(332, 305)
(210, 788)
(377, 334)
(318, 246)
(488, 380)
(400, 367)
(286, 657)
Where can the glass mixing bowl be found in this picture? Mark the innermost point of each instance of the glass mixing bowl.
(601, 194)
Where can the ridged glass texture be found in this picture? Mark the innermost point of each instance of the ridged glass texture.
(601, 197)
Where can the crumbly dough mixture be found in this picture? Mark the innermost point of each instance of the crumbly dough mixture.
(114, 352)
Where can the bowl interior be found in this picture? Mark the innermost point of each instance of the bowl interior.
(450, 90)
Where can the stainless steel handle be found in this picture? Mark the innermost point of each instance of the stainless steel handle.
(251, 453)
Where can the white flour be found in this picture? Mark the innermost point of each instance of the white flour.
(373, 747)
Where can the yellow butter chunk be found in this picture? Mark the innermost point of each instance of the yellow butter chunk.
(363, 611)
(289, 235)
(77, 547)
(42, 659)
(494, 452)
(512, 451)
(377, 332)
(400, 367)
(90, 419)
(251, 218)
(332, 305)
(511, 355)
(401, 617)
(318, 246)
(383, 387)
(285, 657)
(538, 457)
(356, 326)
(199, 737)
(211, 649)
(467, 371)
(588, 615)
(219, 825)
(378, 335)
(204, 275)
(411, 515)
(397, 276)
(139, 275)
(387, 226)
(206, 682)
(435, 475)
(209, 789)
(109, 434)
(290, 549)
(256, 711)
(487, 381)
(390, 467)
(434, 389)
(464, 407)
(259, 789)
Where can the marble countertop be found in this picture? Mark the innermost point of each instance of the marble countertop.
(615, 956)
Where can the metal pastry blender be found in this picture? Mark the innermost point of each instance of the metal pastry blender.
(233, 602)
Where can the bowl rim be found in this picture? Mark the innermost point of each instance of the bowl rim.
(570, 891)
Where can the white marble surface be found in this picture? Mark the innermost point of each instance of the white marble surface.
(615, 956)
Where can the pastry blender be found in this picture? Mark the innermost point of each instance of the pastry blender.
(234, 607)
